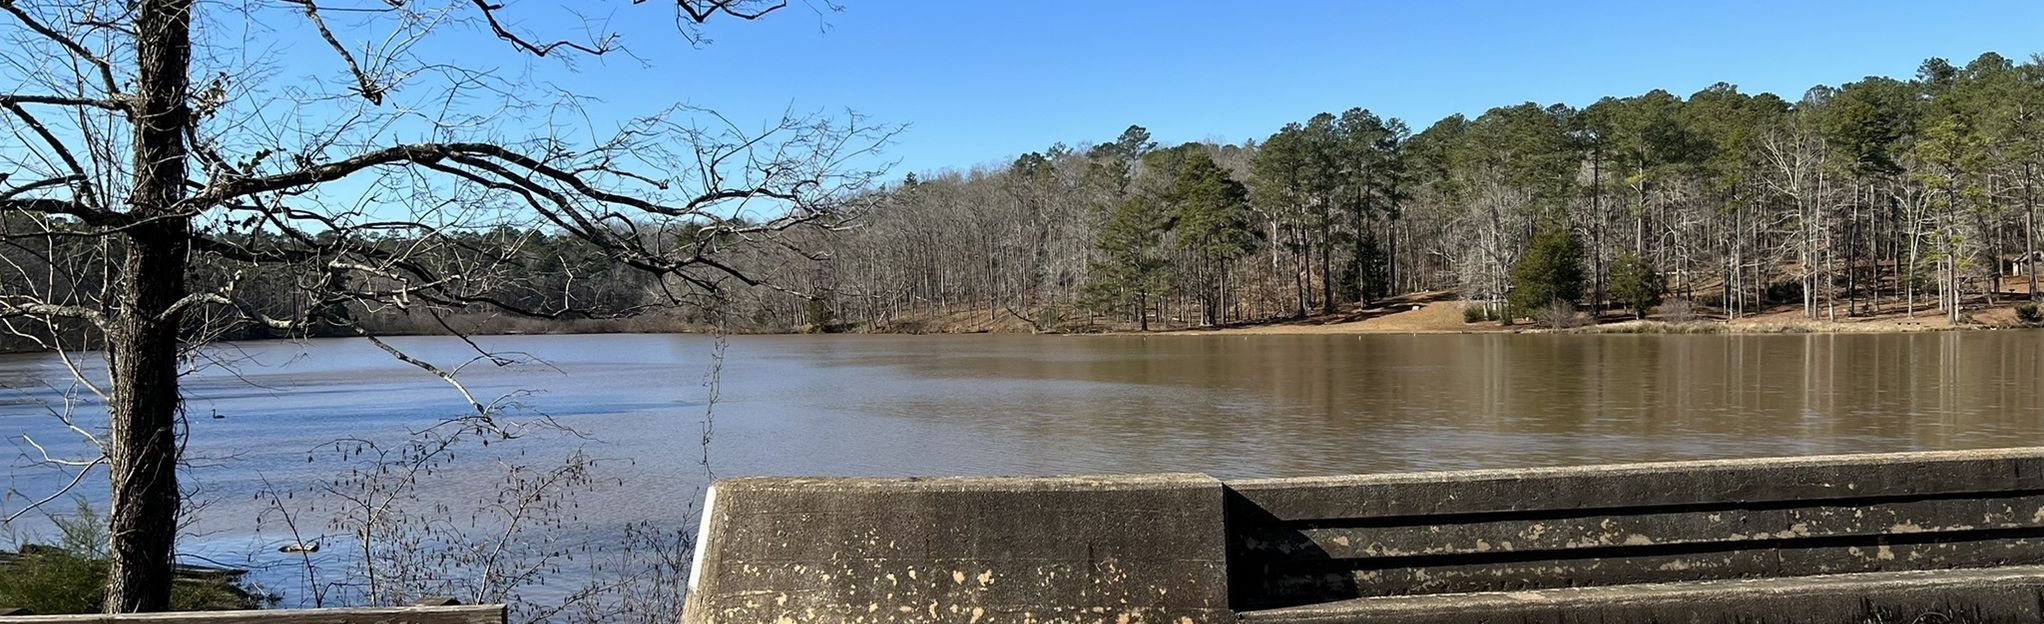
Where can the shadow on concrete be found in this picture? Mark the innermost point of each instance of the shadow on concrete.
(1272, 564)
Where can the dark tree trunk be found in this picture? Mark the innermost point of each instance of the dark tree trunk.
(1597, 232)
(1142, 312)
(143, 341)
(1852, 252)
(1357, 259)
(2030, 233)
(1302, 274)
(1326, 259)
(144, 352)
(1392, 274)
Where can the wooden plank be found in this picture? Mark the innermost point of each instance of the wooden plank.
(477, 614)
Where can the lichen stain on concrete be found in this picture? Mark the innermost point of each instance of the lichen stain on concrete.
(1799, 529)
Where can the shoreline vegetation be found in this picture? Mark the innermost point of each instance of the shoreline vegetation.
(1881, 205)
(1434, 312)
(1439, 313)
(1846, 205)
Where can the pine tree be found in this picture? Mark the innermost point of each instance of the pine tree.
(1135, 268)
(1636, 284)
(1213, 224)
(1551, 271)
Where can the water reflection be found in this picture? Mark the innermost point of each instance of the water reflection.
(1276, 405)
(1232, 406)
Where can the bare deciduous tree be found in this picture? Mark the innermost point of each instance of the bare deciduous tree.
(158, 163)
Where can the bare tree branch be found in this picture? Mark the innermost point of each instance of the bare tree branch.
(60, 100)
(489, 11)
(106, 72)
(364, 84)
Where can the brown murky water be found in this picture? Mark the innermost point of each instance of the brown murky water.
(1233, 406)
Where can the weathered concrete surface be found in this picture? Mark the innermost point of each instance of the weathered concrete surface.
(975, 551)
(1998, 595)
(1787, 479)
(1857, 538)
(1622, 528)
(1306, 541)
(1345, 579)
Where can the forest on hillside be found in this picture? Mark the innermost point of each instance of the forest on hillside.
(1882, 195)
(1913, 194)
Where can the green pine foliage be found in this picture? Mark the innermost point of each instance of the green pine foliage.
(1636, 285)
(2029, 313)
(1550, 271)
(1212, 223)
(1133, 268)
(1212, 211)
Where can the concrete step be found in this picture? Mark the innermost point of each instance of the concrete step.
(2006, 594)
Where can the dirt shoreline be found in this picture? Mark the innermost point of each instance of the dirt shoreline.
(1419, 313)
(1430, 314)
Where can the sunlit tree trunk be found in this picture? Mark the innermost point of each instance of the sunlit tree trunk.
(143, 339)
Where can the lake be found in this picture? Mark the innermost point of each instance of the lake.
(263, 415)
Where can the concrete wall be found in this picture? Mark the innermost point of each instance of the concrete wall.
(1316, 540)
(1844, 538)
(2011, 595)
(975, 551)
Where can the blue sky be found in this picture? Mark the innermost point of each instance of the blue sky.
(980, 81)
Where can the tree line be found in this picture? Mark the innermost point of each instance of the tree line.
(1879, 195)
